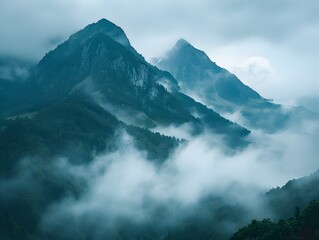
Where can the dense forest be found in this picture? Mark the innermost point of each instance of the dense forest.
(302, 226)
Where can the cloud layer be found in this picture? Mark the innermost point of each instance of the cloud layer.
(125, 185)
(123, 189)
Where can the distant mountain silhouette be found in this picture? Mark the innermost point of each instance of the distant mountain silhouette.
(222, 90)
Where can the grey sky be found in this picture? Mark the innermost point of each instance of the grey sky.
(233, 33)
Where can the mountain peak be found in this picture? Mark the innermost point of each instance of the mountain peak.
(103, 26)
(185, 53)
(182, 43)
(184, 47)
(104, 21)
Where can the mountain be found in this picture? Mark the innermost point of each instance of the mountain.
(197, 73)
(292, 212)
(75, 104)
(303, 226)
(61, 104)
(296, 193)
(76, 128)
(99, 63)
(221, 90)
(74, 107)
(294, 209)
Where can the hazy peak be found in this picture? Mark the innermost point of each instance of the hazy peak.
(182, 43)
(185, 52)
(182, 46)
(103, 26)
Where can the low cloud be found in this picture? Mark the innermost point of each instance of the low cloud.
(312, 103)
(125, 185)
(254, 70)
(124, 190)
(184, 131)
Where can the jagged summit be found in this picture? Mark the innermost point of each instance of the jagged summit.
(101, 29)
(187, 64)
(105, 22)
(185, 52)
(182, 43)
(102, 26)
(94, 63)
(219, 88)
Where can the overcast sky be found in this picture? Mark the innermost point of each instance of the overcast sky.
(271, 45)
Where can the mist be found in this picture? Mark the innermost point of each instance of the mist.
(125, 188)
(272, 47)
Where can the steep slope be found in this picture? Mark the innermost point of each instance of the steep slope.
(57, 112)
(296, 193)
(76, 128)
(99, 62)
(233, 134)
(294, 209)
(74, 106)
(220, 89)
(32, 145)
(78, 99)
(304, 226)
(197, 73)
(92, 62)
